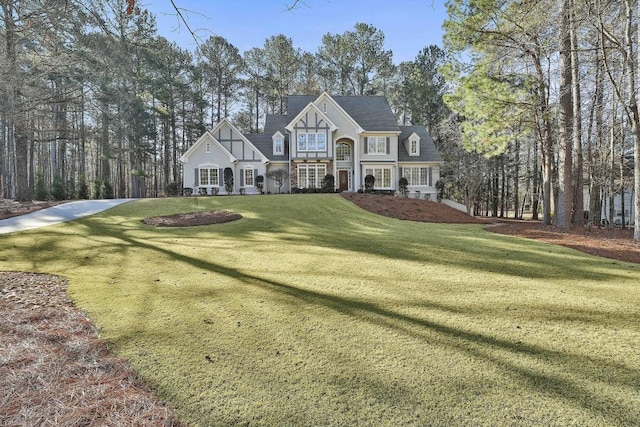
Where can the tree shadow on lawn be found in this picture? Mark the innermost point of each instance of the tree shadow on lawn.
(338, 224)
(515, 354)
(465, 246)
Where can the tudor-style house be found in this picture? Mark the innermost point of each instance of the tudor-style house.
(349, 137)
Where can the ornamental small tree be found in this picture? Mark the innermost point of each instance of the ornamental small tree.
(279, 176)
(228, 180)
(403, 185)
(369, 182)
(260, 183)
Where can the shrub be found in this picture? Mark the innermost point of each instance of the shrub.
(369, 182)
(173, 189)
(328, 183)
(71, 188)
(403, 184)
(57, 188)
(440, 188)
(97, 189)
(228, 180)
(83, 188)
(108, 190)
(260, 183)
(42, 193)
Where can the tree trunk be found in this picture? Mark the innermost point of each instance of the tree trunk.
(565, 143)
(578, 169)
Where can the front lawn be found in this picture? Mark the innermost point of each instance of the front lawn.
(310, 311)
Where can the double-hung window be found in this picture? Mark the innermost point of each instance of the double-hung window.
(248, 177)
(376, 145)
(208, 176)
(382, 175)
(418, 176)
(310, 175)
(278, 146)
(312, 141)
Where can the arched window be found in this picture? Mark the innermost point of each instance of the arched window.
(343, 152)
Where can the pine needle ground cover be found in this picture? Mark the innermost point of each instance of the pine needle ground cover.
(310, 311)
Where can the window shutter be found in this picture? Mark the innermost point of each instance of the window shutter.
(197, 178)
(221, 177)
(241, 177)
(430, 177)
(255, 174)
(366, 144)
(388, 145)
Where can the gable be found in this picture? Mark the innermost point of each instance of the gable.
(236, 143)
(311, 117)
(208, 149)
(427, 149)
(337, 114)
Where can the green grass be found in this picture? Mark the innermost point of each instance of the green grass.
(310, 311)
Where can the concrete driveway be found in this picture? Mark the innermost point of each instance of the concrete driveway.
(57, 214)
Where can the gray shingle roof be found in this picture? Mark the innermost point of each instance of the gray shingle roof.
(428, 150)
(372, 113)
(264, 143)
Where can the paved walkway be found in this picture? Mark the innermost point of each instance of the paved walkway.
(57, 214)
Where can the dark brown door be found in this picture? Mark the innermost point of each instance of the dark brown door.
(343, 179)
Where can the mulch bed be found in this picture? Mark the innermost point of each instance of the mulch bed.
(191, 219)
(609, 243)
(54, 370)
(10, 208)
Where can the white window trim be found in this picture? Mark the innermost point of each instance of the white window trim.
(373, 168)
(249, 169)
(208, 168)
(319, 176)
(377, 152)
(276, 137)
(350, 152)
(407, 172)
(413, 152)
(308, 150)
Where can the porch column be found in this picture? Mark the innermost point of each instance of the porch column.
(356, 165)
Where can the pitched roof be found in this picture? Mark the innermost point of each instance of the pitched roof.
(274, 123)
(372, 113)
(264, 141)
(428, 150)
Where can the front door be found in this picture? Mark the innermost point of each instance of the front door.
(343, 179)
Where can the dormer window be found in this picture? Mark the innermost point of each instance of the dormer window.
(412, 144)
(278, 144)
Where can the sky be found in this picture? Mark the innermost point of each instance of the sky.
(408, 25)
